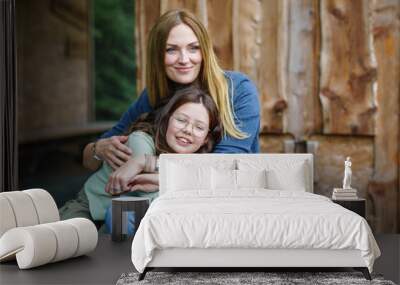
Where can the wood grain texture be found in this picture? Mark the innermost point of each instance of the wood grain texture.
(273, 143)
(383, 186)
(300, 67)
(246, 36)
(219, 19)
(194, 6)
(146, 14)
(347, 68)
(288, 72)
(272, 102)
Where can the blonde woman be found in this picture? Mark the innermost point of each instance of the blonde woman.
(180, 53)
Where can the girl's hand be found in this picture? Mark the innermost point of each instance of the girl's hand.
(147, 182)
(121, 178)
(113, 151)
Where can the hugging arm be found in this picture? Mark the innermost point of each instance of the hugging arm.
(111, 146)
(112, 150)
(130, 174)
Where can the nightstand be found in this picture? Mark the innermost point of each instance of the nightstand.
(356, 205)
(120, 208)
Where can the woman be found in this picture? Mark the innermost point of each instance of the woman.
(179, 53)
(188, 123)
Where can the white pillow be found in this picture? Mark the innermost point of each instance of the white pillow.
(188, 177)
(227, 179)
(280, 175)
(251, 178)
(291, 179)
(223, 179)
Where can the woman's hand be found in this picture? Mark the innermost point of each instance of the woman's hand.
(112, 150)
(121, 178)
(147, 182)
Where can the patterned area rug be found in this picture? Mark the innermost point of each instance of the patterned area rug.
(243, 278)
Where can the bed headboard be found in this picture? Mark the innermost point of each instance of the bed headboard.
(237, 161)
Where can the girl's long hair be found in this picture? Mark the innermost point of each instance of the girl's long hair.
(156, 123)
(211, 77)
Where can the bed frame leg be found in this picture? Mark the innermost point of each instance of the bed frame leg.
(364, 271)
(143, 274)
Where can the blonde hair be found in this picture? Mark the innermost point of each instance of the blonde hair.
(211, 75)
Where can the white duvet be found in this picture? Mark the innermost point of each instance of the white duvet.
(252, 218)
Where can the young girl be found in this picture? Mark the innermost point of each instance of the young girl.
(188, 123)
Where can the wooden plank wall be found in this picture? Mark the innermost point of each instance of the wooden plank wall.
(327, 71)
(348, 69)
(384, 185)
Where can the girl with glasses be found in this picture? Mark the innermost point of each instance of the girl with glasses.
(187, 123)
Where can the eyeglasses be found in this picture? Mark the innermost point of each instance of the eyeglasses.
(181, 122)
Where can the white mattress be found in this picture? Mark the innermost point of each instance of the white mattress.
(252, 218)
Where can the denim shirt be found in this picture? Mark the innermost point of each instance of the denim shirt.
(246, 108)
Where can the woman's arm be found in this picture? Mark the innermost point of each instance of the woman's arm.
(88, 160)
(112, 150)
(111, 145)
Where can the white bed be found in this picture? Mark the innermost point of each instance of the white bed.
(227, 211)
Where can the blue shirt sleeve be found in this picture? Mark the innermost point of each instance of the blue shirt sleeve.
(140, 106)
(246, 107)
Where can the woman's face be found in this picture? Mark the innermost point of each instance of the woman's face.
(182, 56)
(188, 128)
